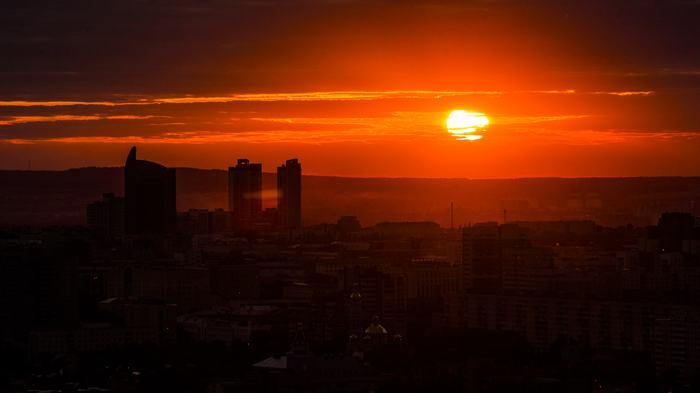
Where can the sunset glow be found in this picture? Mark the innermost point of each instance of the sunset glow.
(462, 124)
(371, 83)
(357, 194)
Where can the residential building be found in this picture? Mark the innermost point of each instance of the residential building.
(107, 216)
(289, 194)
(245, 193)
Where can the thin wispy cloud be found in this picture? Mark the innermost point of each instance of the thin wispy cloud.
(532, 119)
(190, 122)
(590, 137)
(303, 97)
(623, 93)
(35, 119)
(67, 103)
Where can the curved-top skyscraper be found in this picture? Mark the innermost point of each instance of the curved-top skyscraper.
(149, 190)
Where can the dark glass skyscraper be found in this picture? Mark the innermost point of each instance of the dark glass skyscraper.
(289, 194)
(245, 193)
(149, 191)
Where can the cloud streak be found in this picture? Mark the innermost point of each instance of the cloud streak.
(304, 97)
(35, 119)
(403, 115)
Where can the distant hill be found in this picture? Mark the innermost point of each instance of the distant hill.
(60, 197)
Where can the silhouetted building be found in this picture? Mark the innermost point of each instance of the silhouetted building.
(453, 253)
(522, 267)
(300, 370)
(236, 282)
(482, 254)
(149, 190)
(348, 224)
(579, 227)
(481, 258)
(382, 295)
(107, 217)
(673, 228)
(228, 325)
(91, 338)
(245, 193)
(408, 229)
(220, 221)
(140, 313)
(676, 344)
(429, 278)
(289, 194)
(269, 216)
(204, 221)
(188, 288)
(194, 221)
(668, 331)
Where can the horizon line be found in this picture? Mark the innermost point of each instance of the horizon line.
(379, 177)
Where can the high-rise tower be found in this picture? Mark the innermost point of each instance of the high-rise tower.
(289, 194)
(245, 193)
(149, 191)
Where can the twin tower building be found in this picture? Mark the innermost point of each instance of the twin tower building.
(150, 202)
(245, 194)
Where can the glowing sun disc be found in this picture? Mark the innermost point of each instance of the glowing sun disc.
(462, 122)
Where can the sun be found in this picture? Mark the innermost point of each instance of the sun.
(463, 124)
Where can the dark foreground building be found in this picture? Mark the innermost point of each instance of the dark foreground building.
(289, 194)
(149, 190)
(245, 193)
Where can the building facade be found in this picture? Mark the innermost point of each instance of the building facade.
(245, 193)
(149, 190)
(289, 194)
(107, 216)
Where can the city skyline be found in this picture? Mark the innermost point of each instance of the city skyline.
(498, 196)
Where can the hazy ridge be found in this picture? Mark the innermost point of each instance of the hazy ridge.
(59, 197)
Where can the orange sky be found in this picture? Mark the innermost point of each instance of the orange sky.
(355, 88)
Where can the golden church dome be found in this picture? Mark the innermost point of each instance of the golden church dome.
(375, 328)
